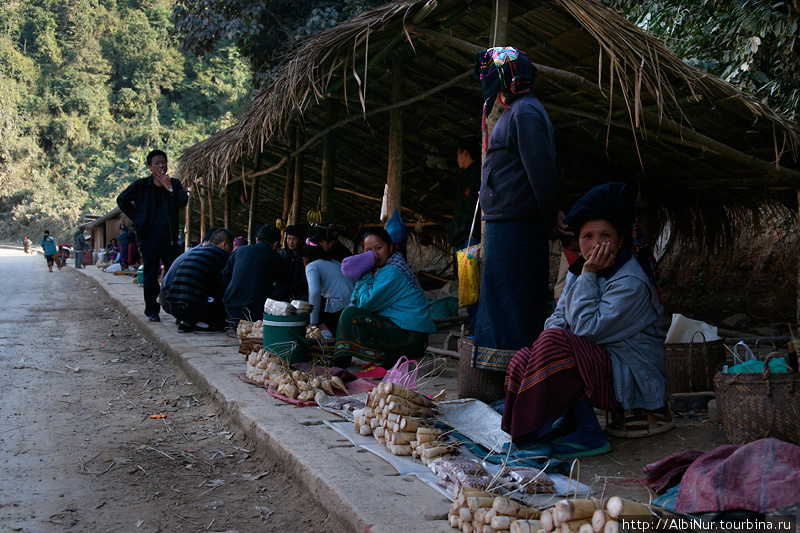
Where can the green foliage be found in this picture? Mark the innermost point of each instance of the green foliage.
(264, 31)
(87, 88)
(750, 43)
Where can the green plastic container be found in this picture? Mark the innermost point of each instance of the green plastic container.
(140, 275)
(285, 336)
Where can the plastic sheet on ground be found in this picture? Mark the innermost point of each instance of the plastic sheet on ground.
(476, 420)
(407, 465)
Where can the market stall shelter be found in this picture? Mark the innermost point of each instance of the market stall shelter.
(379, 102)
(105, 228)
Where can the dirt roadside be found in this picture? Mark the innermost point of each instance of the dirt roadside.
(78, 447)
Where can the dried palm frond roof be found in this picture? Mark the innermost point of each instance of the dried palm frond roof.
(702, 153)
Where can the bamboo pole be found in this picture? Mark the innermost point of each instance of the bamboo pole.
(287, 189)
(797, 318)
(210, 193)
(202, 215)
(253, 215)
(297, 195)
(500, 23)
(187, 230)
(226, 216)
(394, 177)
(328, 171)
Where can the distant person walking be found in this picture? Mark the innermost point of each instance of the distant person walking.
(50, 249)
(152, 203)
(26, 243)
(78, 246)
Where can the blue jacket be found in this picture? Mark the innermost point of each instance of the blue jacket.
(49, 245)
(138, 202)
(519, 180)
(623, 315)
(390, 294)
(325, 279)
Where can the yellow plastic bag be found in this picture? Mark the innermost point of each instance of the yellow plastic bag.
(469, 276)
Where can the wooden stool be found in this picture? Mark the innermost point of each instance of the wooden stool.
(639, 422)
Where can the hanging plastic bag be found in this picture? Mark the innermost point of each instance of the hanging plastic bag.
(396, 229)
(401, 374)
(469, 276)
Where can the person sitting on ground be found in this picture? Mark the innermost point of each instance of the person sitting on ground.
(169, 276)
(390, 315)
(253, 274)
(325, 281)
(48, 244)
(602, 347)
(112, 250)
(327, 236)
(292, 254)
(195, 297)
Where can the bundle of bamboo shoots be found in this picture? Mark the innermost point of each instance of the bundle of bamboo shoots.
(270, 370)
(586, 516)
(478, 511)
(399, 418)
(247, 330)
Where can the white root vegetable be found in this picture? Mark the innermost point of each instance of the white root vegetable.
(502, 522)
(575, 509)
(455, 521)
(365, 430)
(326, 386)
(546, 520)
(409, 424)
(573, 526)
(474, 503)
(507, 507)
(599, 518)
(400, 449)
(525, 526)
(612, 526)
(465, 514)
(586, 528)
(617, 507)
(339, 384)
(402, 437)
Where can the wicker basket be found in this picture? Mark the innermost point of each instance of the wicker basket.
(474, 383)
(691, 365)
(757, 406)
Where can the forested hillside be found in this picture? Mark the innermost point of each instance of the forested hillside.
(87, 88)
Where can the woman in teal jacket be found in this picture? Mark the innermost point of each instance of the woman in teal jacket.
(389, 317)
(50, 249)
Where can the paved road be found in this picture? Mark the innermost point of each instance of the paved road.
(78, 449)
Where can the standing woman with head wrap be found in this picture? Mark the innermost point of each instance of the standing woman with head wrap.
(519, 197)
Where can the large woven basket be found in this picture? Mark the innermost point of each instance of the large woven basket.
(691, 365)
(757, 406)
(474, 383)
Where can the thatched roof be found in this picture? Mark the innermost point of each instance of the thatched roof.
(702, 153)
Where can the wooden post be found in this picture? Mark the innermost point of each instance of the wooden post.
(187, 230)
(287, 190)
(394, 176)
(328, 170)
(499, 28)
(211, 207)
(251, 221)
(202, 215)
(797, 320)
(297, 196)
(226, 215)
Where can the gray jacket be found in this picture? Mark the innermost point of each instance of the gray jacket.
(623, 315)
(78, 241)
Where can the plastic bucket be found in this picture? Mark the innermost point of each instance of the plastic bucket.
(285, 336)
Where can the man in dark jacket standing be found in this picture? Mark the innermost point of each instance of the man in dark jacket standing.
(152, 203)
(255, 273)
(78, 245)
(468, 155)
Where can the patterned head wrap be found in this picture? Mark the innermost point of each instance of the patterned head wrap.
(502, 68)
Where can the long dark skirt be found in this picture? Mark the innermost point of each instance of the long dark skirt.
(374, 338)
(514, 292)
(544, 381)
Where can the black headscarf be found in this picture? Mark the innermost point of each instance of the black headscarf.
(611, 202)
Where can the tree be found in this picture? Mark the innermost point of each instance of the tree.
(750, 43)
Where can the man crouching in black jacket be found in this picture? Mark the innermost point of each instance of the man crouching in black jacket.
(152, 203)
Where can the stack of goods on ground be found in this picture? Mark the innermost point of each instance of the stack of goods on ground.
(250, 335)
(477, 511)
(404, 421)
(274, 372)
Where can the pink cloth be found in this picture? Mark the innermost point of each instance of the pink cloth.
(759, 476)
